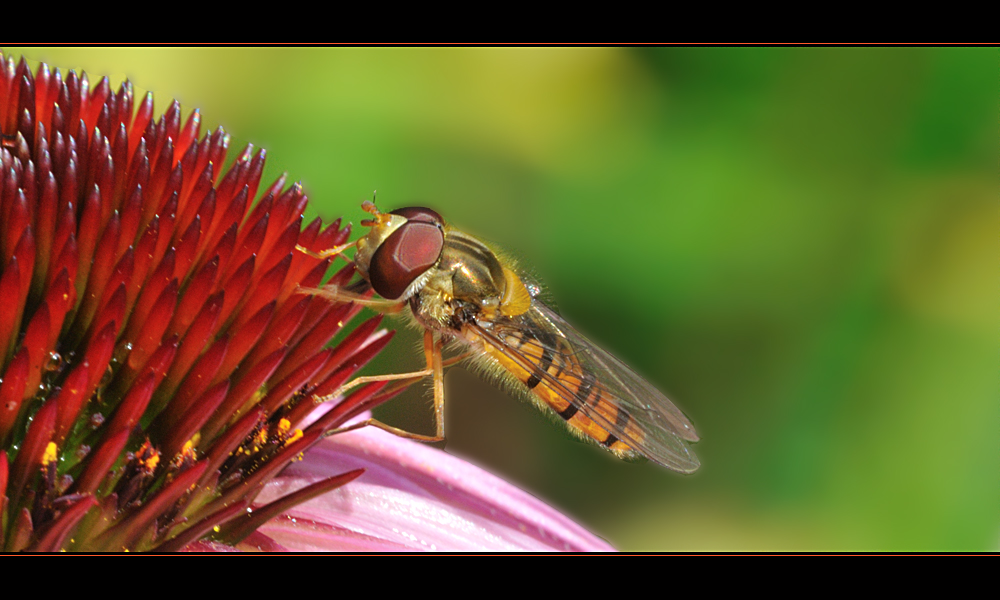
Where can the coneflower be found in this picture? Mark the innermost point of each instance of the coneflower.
(159, 363)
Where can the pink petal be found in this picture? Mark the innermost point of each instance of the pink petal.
(412, 497)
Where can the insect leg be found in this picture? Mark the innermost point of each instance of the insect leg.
(338, 294)
(328, 252)
(432, 352)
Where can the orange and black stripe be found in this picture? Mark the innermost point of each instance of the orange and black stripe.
(552, 375)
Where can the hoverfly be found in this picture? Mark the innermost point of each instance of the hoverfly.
(459, 290)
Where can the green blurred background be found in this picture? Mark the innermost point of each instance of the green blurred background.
(799, 246)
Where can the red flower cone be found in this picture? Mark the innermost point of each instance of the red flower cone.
(159, 363)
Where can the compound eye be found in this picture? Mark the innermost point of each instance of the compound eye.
(420, 215)
(404, 256)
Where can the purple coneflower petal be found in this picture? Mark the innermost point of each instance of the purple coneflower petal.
(413, 497)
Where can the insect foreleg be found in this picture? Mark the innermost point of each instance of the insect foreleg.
(328, 252)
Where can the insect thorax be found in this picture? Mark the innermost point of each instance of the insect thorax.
(467, 281)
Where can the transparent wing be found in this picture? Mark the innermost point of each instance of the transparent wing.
(655, 427)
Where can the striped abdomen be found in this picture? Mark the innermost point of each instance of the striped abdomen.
(544, 362)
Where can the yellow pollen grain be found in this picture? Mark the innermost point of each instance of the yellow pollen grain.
(152, 461)
(283, 426)
(294, 437)
(49, 456)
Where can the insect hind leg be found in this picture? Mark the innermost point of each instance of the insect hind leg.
(435, 367)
